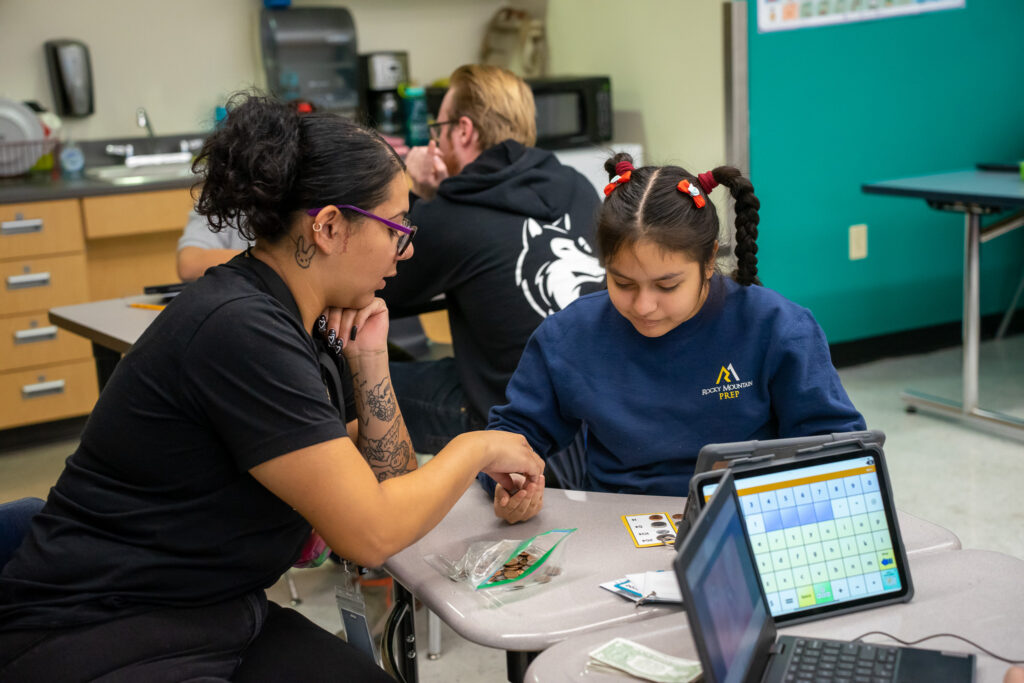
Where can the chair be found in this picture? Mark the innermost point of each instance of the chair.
(15, 518)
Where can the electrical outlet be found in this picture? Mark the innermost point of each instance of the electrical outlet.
(858, 242)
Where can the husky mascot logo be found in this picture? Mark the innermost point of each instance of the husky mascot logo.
(554, 266)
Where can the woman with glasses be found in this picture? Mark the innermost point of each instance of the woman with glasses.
(215, 450)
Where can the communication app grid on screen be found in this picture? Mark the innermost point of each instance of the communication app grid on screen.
(819, 533)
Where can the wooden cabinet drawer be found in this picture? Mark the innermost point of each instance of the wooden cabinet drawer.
(133, 214)
(33, 284)
(52, 393)
(27, 340)
(40, 228)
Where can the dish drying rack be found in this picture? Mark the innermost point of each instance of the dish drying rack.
(22, 157)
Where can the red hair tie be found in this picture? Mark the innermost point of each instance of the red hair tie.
(687, 188)
(707, 181)
(619, 179)
(623, 166)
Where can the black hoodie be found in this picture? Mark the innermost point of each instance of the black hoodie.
(509, 241)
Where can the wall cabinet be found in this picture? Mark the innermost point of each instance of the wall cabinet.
(70, 251)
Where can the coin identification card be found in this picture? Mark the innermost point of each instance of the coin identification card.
(651, 529)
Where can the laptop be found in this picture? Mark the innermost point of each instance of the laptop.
(734, 632)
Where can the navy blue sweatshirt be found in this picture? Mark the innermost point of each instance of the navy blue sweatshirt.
(749, 365)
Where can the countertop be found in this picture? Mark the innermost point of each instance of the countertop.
(47, 186)
(42, 187)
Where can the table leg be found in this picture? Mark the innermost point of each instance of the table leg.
(518, 663)
(972, 311)
(106, 360)
(968, 411)
(403, 657)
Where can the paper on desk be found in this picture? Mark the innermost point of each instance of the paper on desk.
(660, 586)
(656, 586)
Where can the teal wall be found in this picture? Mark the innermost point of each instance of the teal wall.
(834, 107)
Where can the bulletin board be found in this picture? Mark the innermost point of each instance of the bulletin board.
(787, 15)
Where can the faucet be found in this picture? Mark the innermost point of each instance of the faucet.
(143, 120)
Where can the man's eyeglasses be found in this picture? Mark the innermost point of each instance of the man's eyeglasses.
(405, 229)
(435, 128)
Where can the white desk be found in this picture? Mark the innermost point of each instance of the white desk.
(976, 594)
(573, 603)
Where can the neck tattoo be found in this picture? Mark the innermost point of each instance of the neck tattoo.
(303, 254)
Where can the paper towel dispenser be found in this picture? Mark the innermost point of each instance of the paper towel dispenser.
(310, 53)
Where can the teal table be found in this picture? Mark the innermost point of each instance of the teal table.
(974, 194)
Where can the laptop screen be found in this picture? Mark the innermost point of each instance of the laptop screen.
(822, 533)
(724, 597)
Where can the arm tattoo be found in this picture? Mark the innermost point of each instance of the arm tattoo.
(381, 401)
(304, 254)
(389, 456)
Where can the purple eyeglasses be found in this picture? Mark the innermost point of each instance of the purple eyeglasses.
(405, 229)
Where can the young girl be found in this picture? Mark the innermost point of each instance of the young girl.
(673, 355)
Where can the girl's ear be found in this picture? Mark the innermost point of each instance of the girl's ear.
(711, 261)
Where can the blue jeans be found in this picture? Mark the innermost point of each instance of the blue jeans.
(432, 402)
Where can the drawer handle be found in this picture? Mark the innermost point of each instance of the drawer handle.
(35, 335)
(28, 280)
(43, 388)
(19, 227)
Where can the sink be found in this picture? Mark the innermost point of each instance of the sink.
(125, 175)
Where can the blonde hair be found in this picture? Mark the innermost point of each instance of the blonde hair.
(499, 103)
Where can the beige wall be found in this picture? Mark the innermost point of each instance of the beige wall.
(665, 62)
(180, 58)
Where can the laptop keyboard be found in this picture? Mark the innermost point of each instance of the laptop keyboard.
(840, 662)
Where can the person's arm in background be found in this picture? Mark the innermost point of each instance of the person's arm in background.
(426, 170)
(532, 409)
(806, 393)
(194, 261)
(199, 248)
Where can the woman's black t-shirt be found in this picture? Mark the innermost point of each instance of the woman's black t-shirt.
(157, 507)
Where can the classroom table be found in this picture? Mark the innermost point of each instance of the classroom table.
(972, 593)
(112, 326)
(973, 193)
(600, 550)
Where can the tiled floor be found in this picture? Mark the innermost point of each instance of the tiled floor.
(965, 480)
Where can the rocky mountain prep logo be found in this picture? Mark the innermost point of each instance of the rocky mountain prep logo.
(554, 267)
(728, 384)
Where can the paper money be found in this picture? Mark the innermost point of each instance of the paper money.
(643, 662)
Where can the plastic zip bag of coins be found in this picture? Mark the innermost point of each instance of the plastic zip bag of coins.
(532, 562)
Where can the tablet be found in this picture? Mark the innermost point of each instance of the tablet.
(824, 532)
(716, 456)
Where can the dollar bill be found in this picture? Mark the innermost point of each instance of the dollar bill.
(643, 662)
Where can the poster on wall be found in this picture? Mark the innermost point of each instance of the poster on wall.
(786, 15)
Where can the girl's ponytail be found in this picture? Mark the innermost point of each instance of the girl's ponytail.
(747, 218)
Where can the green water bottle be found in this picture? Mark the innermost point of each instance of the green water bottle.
(417, 133)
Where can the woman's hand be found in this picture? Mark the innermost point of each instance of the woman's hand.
(356, 331)
(521, 505)
(506, 453)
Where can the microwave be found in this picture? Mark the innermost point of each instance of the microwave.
(572, 111)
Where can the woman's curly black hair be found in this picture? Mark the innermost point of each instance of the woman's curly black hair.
(267, 162)
(649, 207)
